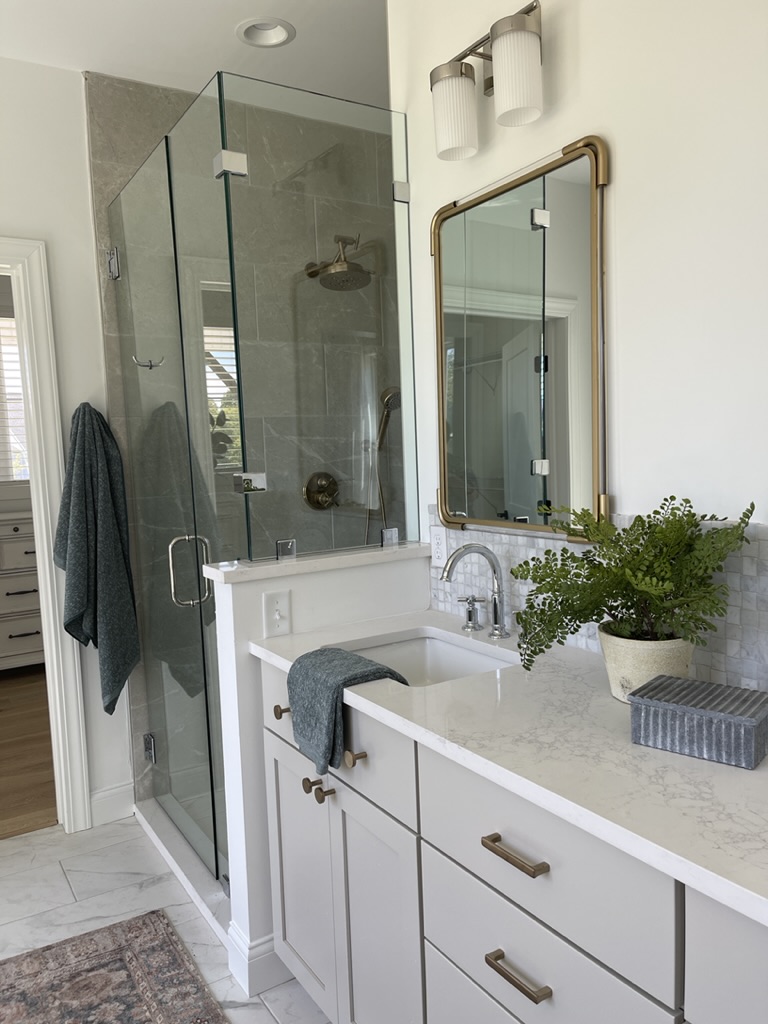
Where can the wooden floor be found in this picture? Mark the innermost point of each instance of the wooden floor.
(27, 795)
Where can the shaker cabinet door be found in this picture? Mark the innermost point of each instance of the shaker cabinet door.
(376, 895)
(300, 857)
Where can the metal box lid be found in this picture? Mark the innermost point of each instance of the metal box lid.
(715, 700)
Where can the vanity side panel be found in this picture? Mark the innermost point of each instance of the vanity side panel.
(726, 964)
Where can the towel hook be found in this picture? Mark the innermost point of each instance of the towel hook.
(149, 365)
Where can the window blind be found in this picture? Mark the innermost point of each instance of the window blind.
(221, 389)
(14, 464)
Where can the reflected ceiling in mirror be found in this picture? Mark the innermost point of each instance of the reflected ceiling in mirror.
(518, 284)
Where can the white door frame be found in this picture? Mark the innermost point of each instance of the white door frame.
(25, 261)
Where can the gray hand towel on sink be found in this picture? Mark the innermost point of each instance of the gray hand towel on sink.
(316, 684)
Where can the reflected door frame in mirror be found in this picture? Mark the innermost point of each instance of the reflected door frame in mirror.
(468, 298)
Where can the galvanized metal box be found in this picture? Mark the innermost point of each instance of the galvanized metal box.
(728, 724)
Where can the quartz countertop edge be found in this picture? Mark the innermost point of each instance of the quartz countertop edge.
(556, 737)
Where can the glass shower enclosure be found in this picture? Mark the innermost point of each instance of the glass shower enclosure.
(266, 366)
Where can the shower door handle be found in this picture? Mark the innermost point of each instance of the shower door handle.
(203, 541)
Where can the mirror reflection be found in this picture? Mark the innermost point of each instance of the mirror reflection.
(518, 345)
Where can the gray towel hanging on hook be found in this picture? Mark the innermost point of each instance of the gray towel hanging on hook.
(92, 547)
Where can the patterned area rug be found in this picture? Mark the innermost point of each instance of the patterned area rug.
(135, 972)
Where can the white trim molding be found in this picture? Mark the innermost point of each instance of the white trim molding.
(24, 261)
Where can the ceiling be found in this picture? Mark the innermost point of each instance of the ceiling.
(340, 47)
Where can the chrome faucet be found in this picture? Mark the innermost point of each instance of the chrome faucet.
(497, 630)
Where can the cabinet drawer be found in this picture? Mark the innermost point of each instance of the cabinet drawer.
(16, 528)
(19, 592)
(621, 911)
(20, 634)
(453, 999)
(386, 775)
(18, 553)
(466, 920)
(725, 964)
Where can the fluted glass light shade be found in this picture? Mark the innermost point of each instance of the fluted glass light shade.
(516, 54)
(454, 110)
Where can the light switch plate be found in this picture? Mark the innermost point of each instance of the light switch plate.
(276, 607)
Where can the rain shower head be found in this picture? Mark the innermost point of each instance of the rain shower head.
(391, 400)
(340, 274)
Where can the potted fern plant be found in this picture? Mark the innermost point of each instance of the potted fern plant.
(650, 586)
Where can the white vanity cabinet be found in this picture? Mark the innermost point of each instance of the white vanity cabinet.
(345, 871)
(21, 631)
(567, 883)
(726, 964)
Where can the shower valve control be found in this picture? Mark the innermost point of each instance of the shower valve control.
(277, 613)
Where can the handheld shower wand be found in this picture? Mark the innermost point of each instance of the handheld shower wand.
(391, 400)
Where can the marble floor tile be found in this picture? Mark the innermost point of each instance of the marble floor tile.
(290, 1004)
(65, 921)
(33, 892)
(211, 957)
(113, 867)
(239, 1009)
(49, 845)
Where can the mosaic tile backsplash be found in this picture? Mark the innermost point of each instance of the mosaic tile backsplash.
(736, 653)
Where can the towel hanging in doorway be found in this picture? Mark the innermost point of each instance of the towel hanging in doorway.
(92, 547)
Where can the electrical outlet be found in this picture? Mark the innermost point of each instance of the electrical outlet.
(277, 612)
(438, 538)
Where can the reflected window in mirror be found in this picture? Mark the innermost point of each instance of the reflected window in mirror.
(519, 315)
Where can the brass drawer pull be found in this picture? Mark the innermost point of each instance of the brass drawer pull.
(493, 843)
(279, 712)
(309, 784)
(18, 593)
(536, 995)
(32, 552)
(321, 794)
(350, 759)
(15, 636)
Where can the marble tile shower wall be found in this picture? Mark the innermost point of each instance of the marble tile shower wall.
(315, 361)
(736, 653)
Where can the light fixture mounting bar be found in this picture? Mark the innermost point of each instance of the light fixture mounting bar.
(476, 49)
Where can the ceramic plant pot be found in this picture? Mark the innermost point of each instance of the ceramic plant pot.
(630, 663)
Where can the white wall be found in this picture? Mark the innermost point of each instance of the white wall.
(44, 194)
(679, 95)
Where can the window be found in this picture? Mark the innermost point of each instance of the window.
(14, 464)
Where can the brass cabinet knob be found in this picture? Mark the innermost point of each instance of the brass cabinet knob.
(321, 794)
(350, 759)
(279, 712)
(309, 784)
(536, 995)
(493, 844)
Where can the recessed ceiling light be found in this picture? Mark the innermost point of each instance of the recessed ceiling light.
(265, 32)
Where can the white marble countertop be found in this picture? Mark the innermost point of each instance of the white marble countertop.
(556, 737)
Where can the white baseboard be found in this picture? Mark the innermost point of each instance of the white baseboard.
(112, 804)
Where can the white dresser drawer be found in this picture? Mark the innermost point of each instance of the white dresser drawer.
(386, 775)
(621, 911)
(16, 528)
(19, 592)
(726, 979)
(17, 553)
(467, 921)
(20, 634)
(453, 999)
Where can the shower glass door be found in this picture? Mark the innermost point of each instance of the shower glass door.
(175, 313)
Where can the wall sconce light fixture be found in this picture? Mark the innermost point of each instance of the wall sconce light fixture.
(513, 46)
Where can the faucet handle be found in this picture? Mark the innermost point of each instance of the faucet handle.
(471, 624)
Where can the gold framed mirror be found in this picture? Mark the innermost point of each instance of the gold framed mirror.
(520, 345)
